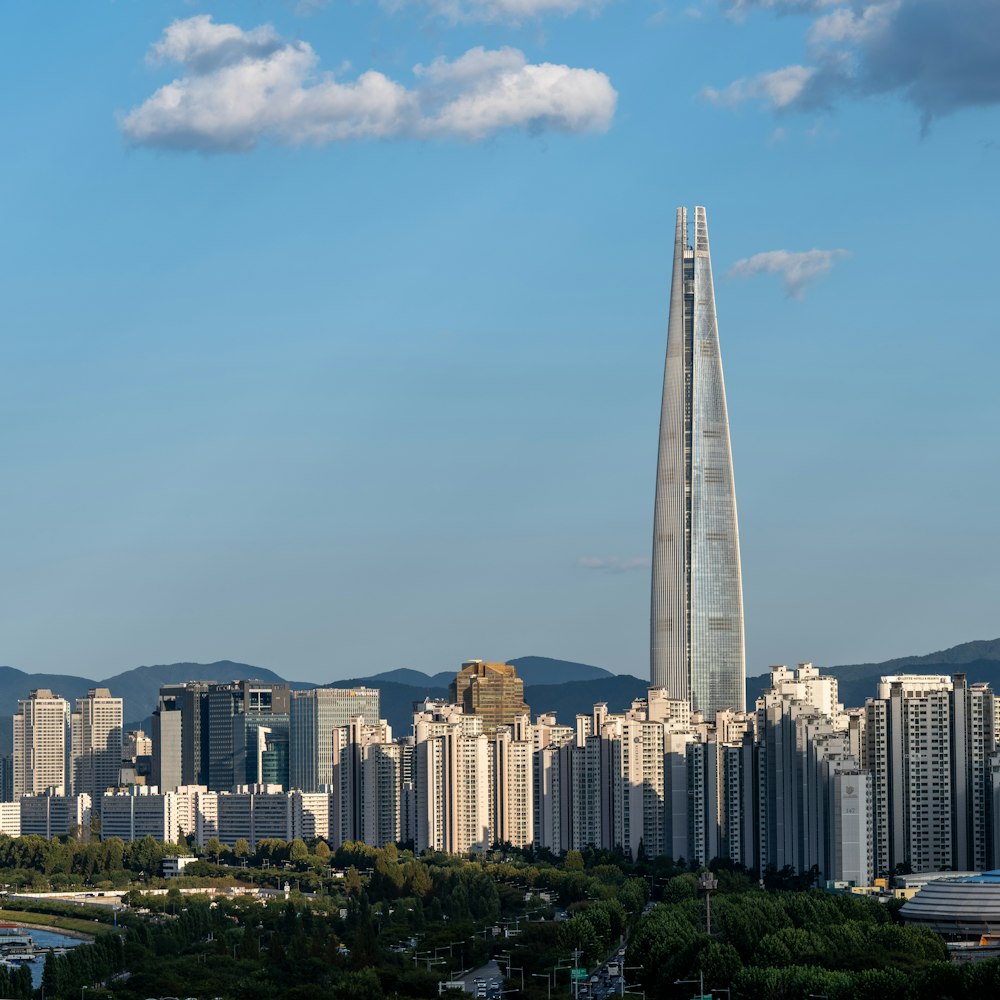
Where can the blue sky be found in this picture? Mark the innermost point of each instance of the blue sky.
(331, 365)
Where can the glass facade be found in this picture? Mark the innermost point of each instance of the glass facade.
(696, 621)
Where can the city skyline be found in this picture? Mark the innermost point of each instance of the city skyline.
(331, 401)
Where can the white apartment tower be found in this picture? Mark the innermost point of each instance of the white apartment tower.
(512, 814)
(40, 744)
(928, 741)
(451, 779)
(96, 743)
(368, 799)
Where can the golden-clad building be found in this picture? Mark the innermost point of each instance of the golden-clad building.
(493, 691)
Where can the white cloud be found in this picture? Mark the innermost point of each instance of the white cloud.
(779, 88)
(613, 564)
(847, 25)
(797, 270)
(238, 88)
(508, 11)
(740, 7)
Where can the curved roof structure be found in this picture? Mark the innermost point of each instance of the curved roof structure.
(967, 905)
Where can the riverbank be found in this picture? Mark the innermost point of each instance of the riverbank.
(82, 930)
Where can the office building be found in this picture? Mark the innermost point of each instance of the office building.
(228, 705)
(696, 626)
(96, 743)
(40, 744)
(180, 735)
(260, 749)
(314, 715)
(493, 691)
(136, 744)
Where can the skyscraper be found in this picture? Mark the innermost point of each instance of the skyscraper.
(227, 704)
(490, 690)
(40, 744)
(315, 714)
(696, 621)
(180, 735)
(96, 743)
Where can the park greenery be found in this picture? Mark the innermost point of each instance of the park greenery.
(361, 923)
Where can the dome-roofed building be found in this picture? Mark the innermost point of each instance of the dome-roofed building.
(959, 906)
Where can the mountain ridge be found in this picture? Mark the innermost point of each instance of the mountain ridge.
(979, 659)
(565, 687)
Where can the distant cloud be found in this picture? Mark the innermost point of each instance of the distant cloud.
(779, 88)
(614, 564)
(940, 55)
(740, 7)
(507, 11)
(238, 88)
(797, 270)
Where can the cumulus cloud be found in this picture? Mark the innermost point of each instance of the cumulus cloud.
(238, 88)
(613, 564)
(779, 88)
(797, 270)
(508, 11)
(940, 55)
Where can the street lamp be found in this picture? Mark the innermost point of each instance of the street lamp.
(547, 978)
(621, 981)
(700, 981)
(516, 968)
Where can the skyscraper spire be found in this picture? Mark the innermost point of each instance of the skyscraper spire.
(696, 621)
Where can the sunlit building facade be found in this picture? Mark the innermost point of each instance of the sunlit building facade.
(696, 626)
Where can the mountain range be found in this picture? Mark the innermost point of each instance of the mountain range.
(978, 660)
(550, 685)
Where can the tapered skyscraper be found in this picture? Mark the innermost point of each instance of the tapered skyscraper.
(696, 623)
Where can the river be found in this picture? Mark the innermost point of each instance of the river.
(46, 939)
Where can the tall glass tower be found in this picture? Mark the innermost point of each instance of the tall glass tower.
(696, 621)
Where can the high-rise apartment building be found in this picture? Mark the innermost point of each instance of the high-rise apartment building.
(696, 620)
(493, 691)
(315, 714)
(372, 785)
(96, 743)
(512, 802)
(40, 744)
(451, 780)
(929, 740)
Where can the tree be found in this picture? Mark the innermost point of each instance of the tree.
(297, 850)
(241, 848)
